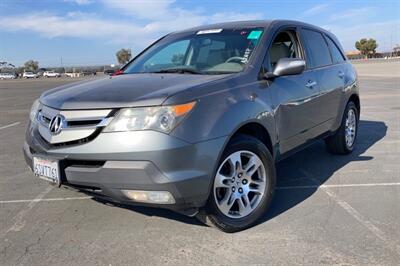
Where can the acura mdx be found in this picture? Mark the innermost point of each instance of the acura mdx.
(196, 122)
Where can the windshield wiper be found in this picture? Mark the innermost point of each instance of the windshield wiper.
(179, 71)
(219, 72)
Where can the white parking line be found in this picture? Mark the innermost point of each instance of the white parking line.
(44, 200)
(10, 125)
(18, 220)
(278, 188)
(338, 186)
(392, 245)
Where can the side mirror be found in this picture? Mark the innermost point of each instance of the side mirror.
(287, 66)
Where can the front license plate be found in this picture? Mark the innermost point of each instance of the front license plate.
(46, 169)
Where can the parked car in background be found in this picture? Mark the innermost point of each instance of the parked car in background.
(73, 74)
(89, 73)
(8, 76)
(29, 75)
(109, 71)
(51, 74)
(196, 122)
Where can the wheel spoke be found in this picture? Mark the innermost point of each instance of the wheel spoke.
(236, 161)
(258, 182)
(244, 205)
(226, 203)
(252, 166)
(222, 181)
(256, 190)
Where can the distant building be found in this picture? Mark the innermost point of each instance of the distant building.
(354, 55)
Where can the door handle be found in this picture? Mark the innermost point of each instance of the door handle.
(310, 84)
(341, 74)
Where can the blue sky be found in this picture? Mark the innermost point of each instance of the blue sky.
(90, 32)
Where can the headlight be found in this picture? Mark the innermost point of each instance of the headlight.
(34, 110)
(160, 118)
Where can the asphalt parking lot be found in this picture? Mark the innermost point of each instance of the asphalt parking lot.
(342, 210)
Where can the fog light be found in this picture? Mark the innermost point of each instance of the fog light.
(157, 197)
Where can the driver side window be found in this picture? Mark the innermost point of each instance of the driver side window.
(285, 45)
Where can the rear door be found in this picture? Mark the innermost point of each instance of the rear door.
(339, 75)
(329, 72)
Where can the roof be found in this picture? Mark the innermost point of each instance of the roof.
(230, 25)
(248, 23)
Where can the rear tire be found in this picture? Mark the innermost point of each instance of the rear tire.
(243, 186)
(343, 141)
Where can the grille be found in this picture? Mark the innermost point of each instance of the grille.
(77, 126)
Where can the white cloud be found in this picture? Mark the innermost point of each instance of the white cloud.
(71, 25)
(157, 18)
(360, 14)
(166, 14)
(80, 2)
(316, 9)
(387, 33)
(145, 9)
(233, 16)
(143, 20)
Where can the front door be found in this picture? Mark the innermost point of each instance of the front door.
(294, 97)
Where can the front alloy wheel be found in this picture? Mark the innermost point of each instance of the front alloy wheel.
(239, 184)
(243, 185)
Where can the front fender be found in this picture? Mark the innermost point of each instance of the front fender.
(221, 115)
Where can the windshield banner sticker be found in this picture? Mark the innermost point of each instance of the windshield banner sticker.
(209, 31)
(254, 35)
(246, 56)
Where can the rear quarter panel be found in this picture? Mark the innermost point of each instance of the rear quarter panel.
(351, 87)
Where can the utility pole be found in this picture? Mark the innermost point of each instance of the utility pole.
(391, 44)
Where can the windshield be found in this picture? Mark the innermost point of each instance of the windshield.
(214, 51)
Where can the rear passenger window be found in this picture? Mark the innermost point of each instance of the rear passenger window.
(317, 50)
(337, 56)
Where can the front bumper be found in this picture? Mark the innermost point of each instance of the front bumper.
(136, 160)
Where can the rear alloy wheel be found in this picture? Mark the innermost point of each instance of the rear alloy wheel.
(350, 128)
(243, 185)
(343, 141)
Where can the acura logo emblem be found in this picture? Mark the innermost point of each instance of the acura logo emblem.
(56, 124)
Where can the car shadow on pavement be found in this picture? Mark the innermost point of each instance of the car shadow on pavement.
(314, 162)
(313, 166)
(149, 211)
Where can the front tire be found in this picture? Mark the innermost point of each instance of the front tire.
(343, 141)
(243, 186)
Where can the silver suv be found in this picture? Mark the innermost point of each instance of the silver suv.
(196, 122)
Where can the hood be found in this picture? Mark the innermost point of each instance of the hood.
(129, 90)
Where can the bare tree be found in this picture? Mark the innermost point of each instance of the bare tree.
(396, 50)
(123, 56)
(31, 65)
(4, 64)
(177, 59)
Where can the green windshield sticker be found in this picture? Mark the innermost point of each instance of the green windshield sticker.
(254, 35)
